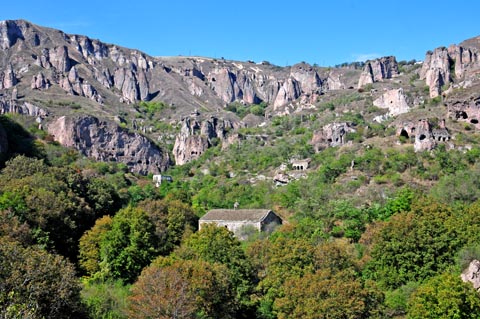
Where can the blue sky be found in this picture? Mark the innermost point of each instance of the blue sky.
(282, 32)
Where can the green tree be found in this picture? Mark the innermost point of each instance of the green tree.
(276, 260)
(182, 289)
(128, 246)
(37, 284)
(172, 219)
(218, 245)
(89, 245)
(415, 245)
(444, 296)
(327, 295)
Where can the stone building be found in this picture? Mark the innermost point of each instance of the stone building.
(238, 220)
(301, 165)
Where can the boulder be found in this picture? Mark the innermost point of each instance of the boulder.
(472, 274)
(39, 82)
(60, 60)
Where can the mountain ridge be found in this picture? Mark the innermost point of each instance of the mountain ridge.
(50, 74)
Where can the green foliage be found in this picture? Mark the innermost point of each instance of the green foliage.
(277, 259)
(105, 300)
(89, 245)
(218, 245)
(52, 201)
(242, 110)
(460, 187)
(416, 245)
(396, 301)
(128, 246)
(327, 295)
(137, 193)
(150, 108)
(182, 289)
(172, 219)
(19, 140)
(36, 284)
(444, 296)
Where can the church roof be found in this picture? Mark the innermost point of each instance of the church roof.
(253, 215)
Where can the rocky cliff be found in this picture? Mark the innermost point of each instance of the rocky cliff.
(394, 101)
(51, 75)
(108, 74)
(196, 136)
(442, 66)
(108, 142)
(378, 70)
(465, 109)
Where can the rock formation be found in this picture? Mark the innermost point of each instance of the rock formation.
(39, 82)
(106, 141)
(426, 137)
(466, 110)
(109, 74)
(25, 108)
(335, 81)
(7, 78)
(443, 65)
(196, 137)
(331, 135)
(394, 101)
(472, 274)
(378, 70)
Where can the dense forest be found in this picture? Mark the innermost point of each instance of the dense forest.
(86, 239)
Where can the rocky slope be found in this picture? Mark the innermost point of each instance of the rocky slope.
(63, 79)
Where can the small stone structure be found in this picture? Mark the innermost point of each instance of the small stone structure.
(158, 179)
(301, 165)
(425, 137)
(236, 220)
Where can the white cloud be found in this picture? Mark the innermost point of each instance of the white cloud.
(362, 57)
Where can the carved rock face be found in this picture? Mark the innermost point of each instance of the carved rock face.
(331, 135)
(105, 141)
(465, 110)
(196, 137)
